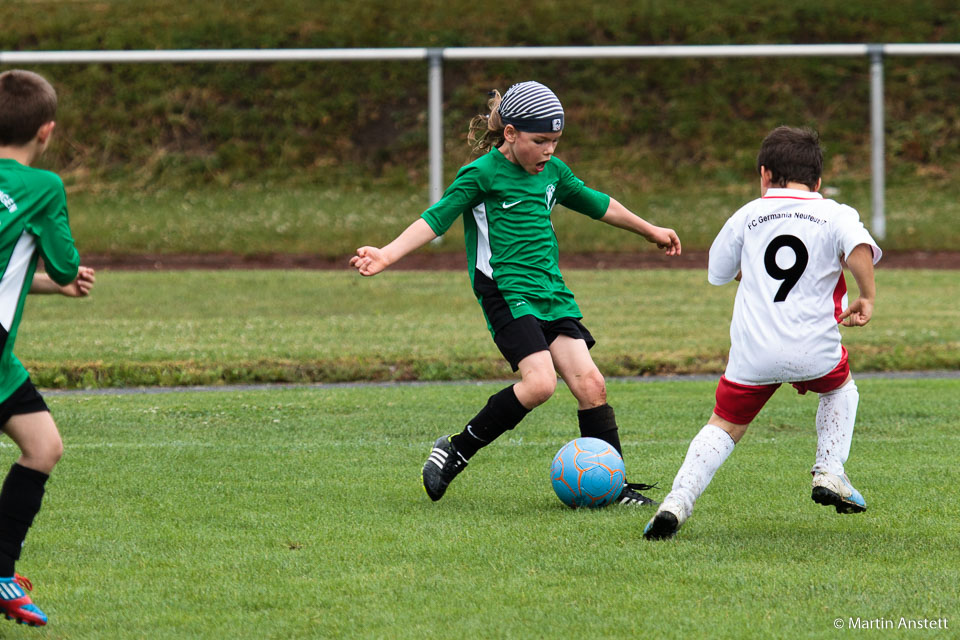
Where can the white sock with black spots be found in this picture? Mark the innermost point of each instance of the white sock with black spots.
(835, 418)
(708, 450)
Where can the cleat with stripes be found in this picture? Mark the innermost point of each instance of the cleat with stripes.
(441, 467)
(16, 604)
(630, 495)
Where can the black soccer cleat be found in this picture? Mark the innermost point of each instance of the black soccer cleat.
(630, 495)
(441, 467)
(662, 526)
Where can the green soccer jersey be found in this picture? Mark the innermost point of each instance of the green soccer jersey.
(33, 223)
(511, 245)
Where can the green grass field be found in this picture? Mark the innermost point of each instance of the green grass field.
(297, 513)
(209, 327)
(333, 222)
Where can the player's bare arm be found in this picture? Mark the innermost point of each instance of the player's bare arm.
(79, 288)
(860, 263)
(619, 216)
(372, 260)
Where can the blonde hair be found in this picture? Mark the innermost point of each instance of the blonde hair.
(486, 131)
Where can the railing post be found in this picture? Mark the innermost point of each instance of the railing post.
(435, 122)
(878, 170)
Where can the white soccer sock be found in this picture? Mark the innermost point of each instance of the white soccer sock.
(707, 452)
(835, 418)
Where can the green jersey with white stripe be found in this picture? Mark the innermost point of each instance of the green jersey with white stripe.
(33, 223)
(512, 248)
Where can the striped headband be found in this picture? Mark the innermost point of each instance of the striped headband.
(531, 107)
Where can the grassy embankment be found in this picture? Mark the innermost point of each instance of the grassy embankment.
(264, 158)
(242, 157)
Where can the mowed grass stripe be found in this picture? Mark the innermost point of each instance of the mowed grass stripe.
(297, 513)
(215, 327)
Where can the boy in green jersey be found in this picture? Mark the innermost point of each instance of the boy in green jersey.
(505, 198)
(33, 224)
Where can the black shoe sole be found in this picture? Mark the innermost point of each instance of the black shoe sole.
(664, 526)
(822, 495)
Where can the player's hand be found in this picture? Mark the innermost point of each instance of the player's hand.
(369, 261)
(857, 314)
(666, 239)
(81, 286)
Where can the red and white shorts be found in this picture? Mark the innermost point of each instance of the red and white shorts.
(740, 403)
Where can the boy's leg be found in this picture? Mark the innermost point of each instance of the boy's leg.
(504, 411)
(20, 499)
(708, 450)
(737, 405)
(37, 437)
(22, 492)
(836, 415)
(506, 408)
(596, 418)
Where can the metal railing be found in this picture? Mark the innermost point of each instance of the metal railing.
(874, 53)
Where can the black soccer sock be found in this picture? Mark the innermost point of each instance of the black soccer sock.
(20, 500)
(600, 422)
(502, 412)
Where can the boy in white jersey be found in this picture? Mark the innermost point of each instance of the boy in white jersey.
(787, 249)
(505, 199)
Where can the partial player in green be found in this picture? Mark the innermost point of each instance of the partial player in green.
(33, 224)
(505, 198)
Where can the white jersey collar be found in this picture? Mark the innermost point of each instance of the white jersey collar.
(793, 194)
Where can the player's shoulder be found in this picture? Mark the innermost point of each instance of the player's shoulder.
(478, 164)
(845, 210)
(557, 169)
(480, 171)
(40, 178)
(39, 183)
(557, 164)
(745, 211)
(837, 213)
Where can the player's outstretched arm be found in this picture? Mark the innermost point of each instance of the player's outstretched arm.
(860, 263)
(619, 216)
(79, 288)
(372, 260)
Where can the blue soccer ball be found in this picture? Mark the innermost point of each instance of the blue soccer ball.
(587, 472)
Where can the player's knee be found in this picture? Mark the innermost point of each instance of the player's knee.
(539, 387)
(590, 389)
(52, 452)
(597, 387)
(44, 455)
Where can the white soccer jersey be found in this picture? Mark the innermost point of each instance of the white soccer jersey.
(788, 246)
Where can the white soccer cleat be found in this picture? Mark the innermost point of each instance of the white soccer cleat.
(836, 491)
(666, 521)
